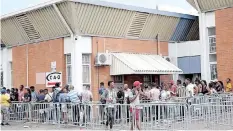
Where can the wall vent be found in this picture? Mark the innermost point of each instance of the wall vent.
(137, 24)
(28, 27)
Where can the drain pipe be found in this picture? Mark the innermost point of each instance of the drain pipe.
(27, 65)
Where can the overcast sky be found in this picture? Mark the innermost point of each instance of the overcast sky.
(180, 6)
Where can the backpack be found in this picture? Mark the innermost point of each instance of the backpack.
(56, 95)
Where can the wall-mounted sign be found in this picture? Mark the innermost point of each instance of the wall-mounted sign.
(52, 78)
(53, 66)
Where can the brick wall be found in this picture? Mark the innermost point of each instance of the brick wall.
(224, 43)
(119, 45)
(40, 56)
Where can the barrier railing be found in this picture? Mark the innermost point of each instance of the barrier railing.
(175, 114)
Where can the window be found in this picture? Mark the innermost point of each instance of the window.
(1, 79)
(68, 69)
(213, 71)
(11, 73)
(147, 79)
(86, 64)
(212, 39)
(118, 79)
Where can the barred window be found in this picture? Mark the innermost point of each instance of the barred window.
(86, 65)
(118, 79)
(68, 69)
(1, 79)
(213, 71)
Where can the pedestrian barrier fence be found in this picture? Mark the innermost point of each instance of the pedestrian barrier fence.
(202, 112)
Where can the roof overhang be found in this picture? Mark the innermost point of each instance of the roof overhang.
(131, 63)
(95, 18)
(210, 5)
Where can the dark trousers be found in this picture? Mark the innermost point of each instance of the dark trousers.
(76, 113)
(110, 117)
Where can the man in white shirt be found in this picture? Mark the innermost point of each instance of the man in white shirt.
(189, 88)
(154, 92)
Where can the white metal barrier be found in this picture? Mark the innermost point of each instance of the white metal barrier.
(176, 114)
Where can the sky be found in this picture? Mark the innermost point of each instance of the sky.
(179, 6)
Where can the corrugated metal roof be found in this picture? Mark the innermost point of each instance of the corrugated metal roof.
(210, 5)
(158, 24)
(182, 30)
(129, 63)
(36, 25)
(91, 18)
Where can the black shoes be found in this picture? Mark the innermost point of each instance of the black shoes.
(2, 124)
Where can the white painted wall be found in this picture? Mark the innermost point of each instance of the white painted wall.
(189, 48)
(6, 59)
(82, 45)
(210, 19)
(205, 20)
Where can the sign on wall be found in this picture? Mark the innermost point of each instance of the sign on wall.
(53, 66)
(52, 78)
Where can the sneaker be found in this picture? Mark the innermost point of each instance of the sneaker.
(2, 124)
(7, 124)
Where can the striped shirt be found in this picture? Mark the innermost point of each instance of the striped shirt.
(73, 96)
(181, 91)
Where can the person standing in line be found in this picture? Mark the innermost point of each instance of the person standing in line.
(27, 98)
(228, 86)
(198, 89)
(135, 107)
(56, 92)
(181, 90)
(102, 101)
(165, 93)
(189, 88)
(204, 87)
(110, 96)
(34, 94)
(21, 93)
(154, 96)
(219, 87)
(8, 92)
(86, 99)
(63, 101)
(73, 97)
(154, 93)
(5, 104)
(212, 90)
(120, 101)
(173, 88)
(127, 92)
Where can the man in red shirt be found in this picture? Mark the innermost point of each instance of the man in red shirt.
(173, 88)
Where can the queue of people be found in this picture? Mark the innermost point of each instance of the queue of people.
(139, 93)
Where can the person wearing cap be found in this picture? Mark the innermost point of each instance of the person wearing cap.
(5, 104)
(135, 108)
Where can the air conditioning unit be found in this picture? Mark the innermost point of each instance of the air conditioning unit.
(103, 59)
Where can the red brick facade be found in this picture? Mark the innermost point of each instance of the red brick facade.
(40, 56)
(119, 45)
(224, 43)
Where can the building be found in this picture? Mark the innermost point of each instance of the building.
(68, 35)
(216, 38)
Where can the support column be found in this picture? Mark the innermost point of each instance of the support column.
(205, 68)
(76, 58)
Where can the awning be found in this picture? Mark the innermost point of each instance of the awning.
(129, 63)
